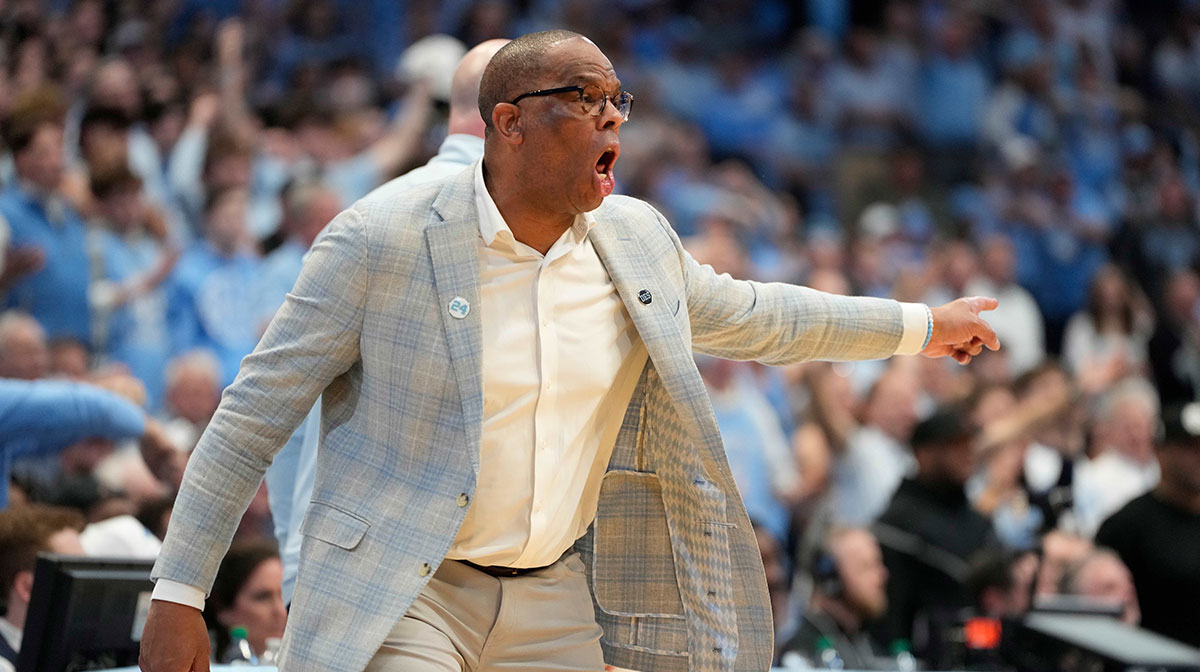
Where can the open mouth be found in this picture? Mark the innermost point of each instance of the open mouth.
(604, 164)
(604, 170)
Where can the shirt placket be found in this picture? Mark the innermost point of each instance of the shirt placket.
(545, 432)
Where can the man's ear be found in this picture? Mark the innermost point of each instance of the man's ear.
(507, 123)
(23, 586)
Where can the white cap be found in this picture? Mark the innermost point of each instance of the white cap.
(433, 58)
(879, 220)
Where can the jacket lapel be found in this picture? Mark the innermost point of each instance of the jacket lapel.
(632, 271)
(454, 253)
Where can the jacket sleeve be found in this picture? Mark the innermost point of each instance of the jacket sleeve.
(313, 339)
(778, 323)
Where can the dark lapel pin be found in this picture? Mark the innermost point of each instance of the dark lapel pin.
(644, 297)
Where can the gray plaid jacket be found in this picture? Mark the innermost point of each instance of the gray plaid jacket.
(675, 571)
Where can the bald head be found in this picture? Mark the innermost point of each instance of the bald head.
(516, 68)
(464, 88)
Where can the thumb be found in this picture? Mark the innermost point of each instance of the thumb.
(979, 304)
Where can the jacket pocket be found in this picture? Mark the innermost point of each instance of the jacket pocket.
(334, 525)
(633, 568)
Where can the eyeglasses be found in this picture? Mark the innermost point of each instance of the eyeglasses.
(592, 98)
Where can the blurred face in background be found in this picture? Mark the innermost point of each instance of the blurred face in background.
(226, 227)
(892, 406)
(194, 395)
(24, 353)
(1105, 577)
(116, 86)
(125, 210)
(999, 260)
(259, 606)
(1180, 465)
(864, 577)
(41, 163)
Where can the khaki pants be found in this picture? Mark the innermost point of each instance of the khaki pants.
(469, 621)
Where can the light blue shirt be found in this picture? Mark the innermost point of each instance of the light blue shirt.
(290, 476)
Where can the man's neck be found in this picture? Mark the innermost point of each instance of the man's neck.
(515, 199)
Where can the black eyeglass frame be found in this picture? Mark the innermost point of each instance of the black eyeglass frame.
(579, 90)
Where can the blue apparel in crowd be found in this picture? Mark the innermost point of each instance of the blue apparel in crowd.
(57, 295)
(39, 417)
(211, 304)
(136, 333)
(290, 476)
(953, 96)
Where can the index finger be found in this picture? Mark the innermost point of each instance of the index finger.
(979, 304)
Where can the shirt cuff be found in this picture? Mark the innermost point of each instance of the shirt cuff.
(181, 593)
(918, 325)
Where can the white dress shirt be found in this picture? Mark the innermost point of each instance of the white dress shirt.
(561, 359)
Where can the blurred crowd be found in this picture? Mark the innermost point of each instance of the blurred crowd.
(166, 164)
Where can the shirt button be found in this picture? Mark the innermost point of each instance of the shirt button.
(425, 569)
(463, 499)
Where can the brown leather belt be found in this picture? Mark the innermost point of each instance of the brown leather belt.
(497, 570)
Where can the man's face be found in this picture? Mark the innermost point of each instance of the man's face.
(41, 163)
(569, 151)
(1180, 465)
(194, 396)
(1106, 577)
(25, 356)
(860, 565)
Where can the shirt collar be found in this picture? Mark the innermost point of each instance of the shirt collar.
(11, 633)
(493, 226)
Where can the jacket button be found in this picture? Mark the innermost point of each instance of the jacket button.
(463, 499)
(425, 569)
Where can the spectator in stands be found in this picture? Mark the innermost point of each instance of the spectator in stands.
(1101, 576)
(762, 464)
(1157, 535)
(40, 217)
(876, 458)
(1000, 583)
(1175, 346)
(246, 593)
(1123, 465)
(1107, 341)
(210, 294)
(929, 534)
(850, 586)
(128, 299)
(43, 417)
(193, 390)
(309, 206)
(25, 532)
(1024, 335)
(70, 359)
(24, 353)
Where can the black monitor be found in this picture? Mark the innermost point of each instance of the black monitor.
(85, 613)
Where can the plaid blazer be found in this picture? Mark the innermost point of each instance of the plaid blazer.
(675, 571)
